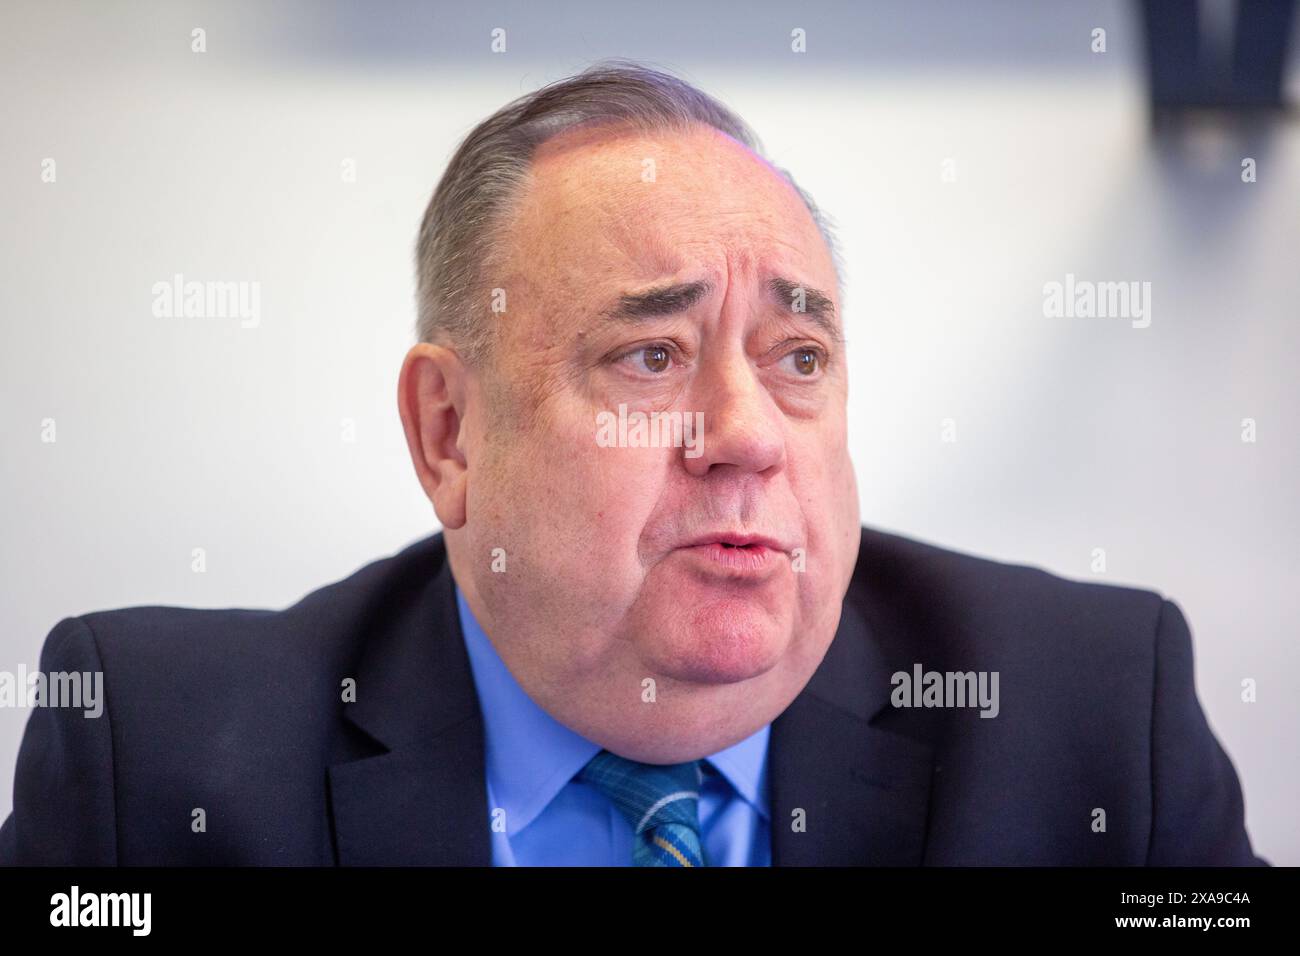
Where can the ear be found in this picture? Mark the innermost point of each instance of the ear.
(431, 394)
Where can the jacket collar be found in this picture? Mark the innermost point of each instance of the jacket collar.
(845, 792)
(841, 791)
(421, 800)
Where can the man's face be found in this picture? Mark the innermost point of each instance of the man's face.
(660, 273)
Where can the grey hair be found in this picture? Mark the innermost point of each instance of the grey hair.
(459, 234)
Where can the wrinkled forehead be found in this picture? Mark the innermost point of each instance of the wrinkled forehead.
(605, 210)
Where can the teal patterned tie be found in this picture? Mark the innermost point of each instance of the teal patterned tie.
(660, 801)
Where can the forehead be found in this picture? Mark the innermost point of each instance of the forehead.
(605, 209)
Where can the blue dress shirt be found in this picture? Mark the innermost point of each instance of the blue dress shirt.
(552, 820)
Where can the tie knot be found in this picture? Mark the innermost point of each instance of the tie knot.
(647, 794)
(660, 801)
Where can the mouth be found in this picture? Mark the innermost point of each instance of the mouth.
(734, 555)
(726, 539)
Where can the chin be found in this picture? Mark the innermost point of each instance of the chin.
(723, 642)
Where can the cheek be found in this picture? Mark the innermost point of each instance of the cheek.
(611, 496)
(817, 480)
(592, 502)
(826, 488)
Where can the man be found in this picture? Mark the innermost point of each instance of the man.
(653, 630)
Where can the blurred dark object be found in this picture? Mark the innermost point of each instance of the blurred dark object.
(1232, 63)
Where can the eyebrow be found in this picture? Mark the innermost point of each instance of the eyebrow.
(680, 297)
(817, 305)
(664, 300)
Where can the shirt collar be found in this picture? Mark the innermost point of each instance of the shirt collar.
(531, 756)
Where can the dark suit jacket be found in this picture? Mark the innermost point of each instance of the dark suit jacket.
(240, 713)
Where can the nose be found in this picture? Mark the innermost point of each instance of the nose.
(742, 423)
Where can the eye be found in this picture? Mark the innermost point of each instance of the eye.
(807, 361)
(656, 358)
(649, 358)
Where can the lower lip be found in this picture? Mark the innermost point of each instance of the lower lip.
(739, 562)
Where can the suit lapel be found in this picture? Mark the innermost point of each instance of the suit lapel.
(421, 799)
(864, 791)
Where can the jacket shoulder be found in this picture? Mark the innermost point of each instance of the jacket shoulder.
(231, 710)
(1097, 696)
(327, 622)
(942, 583)
(1052, 640)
